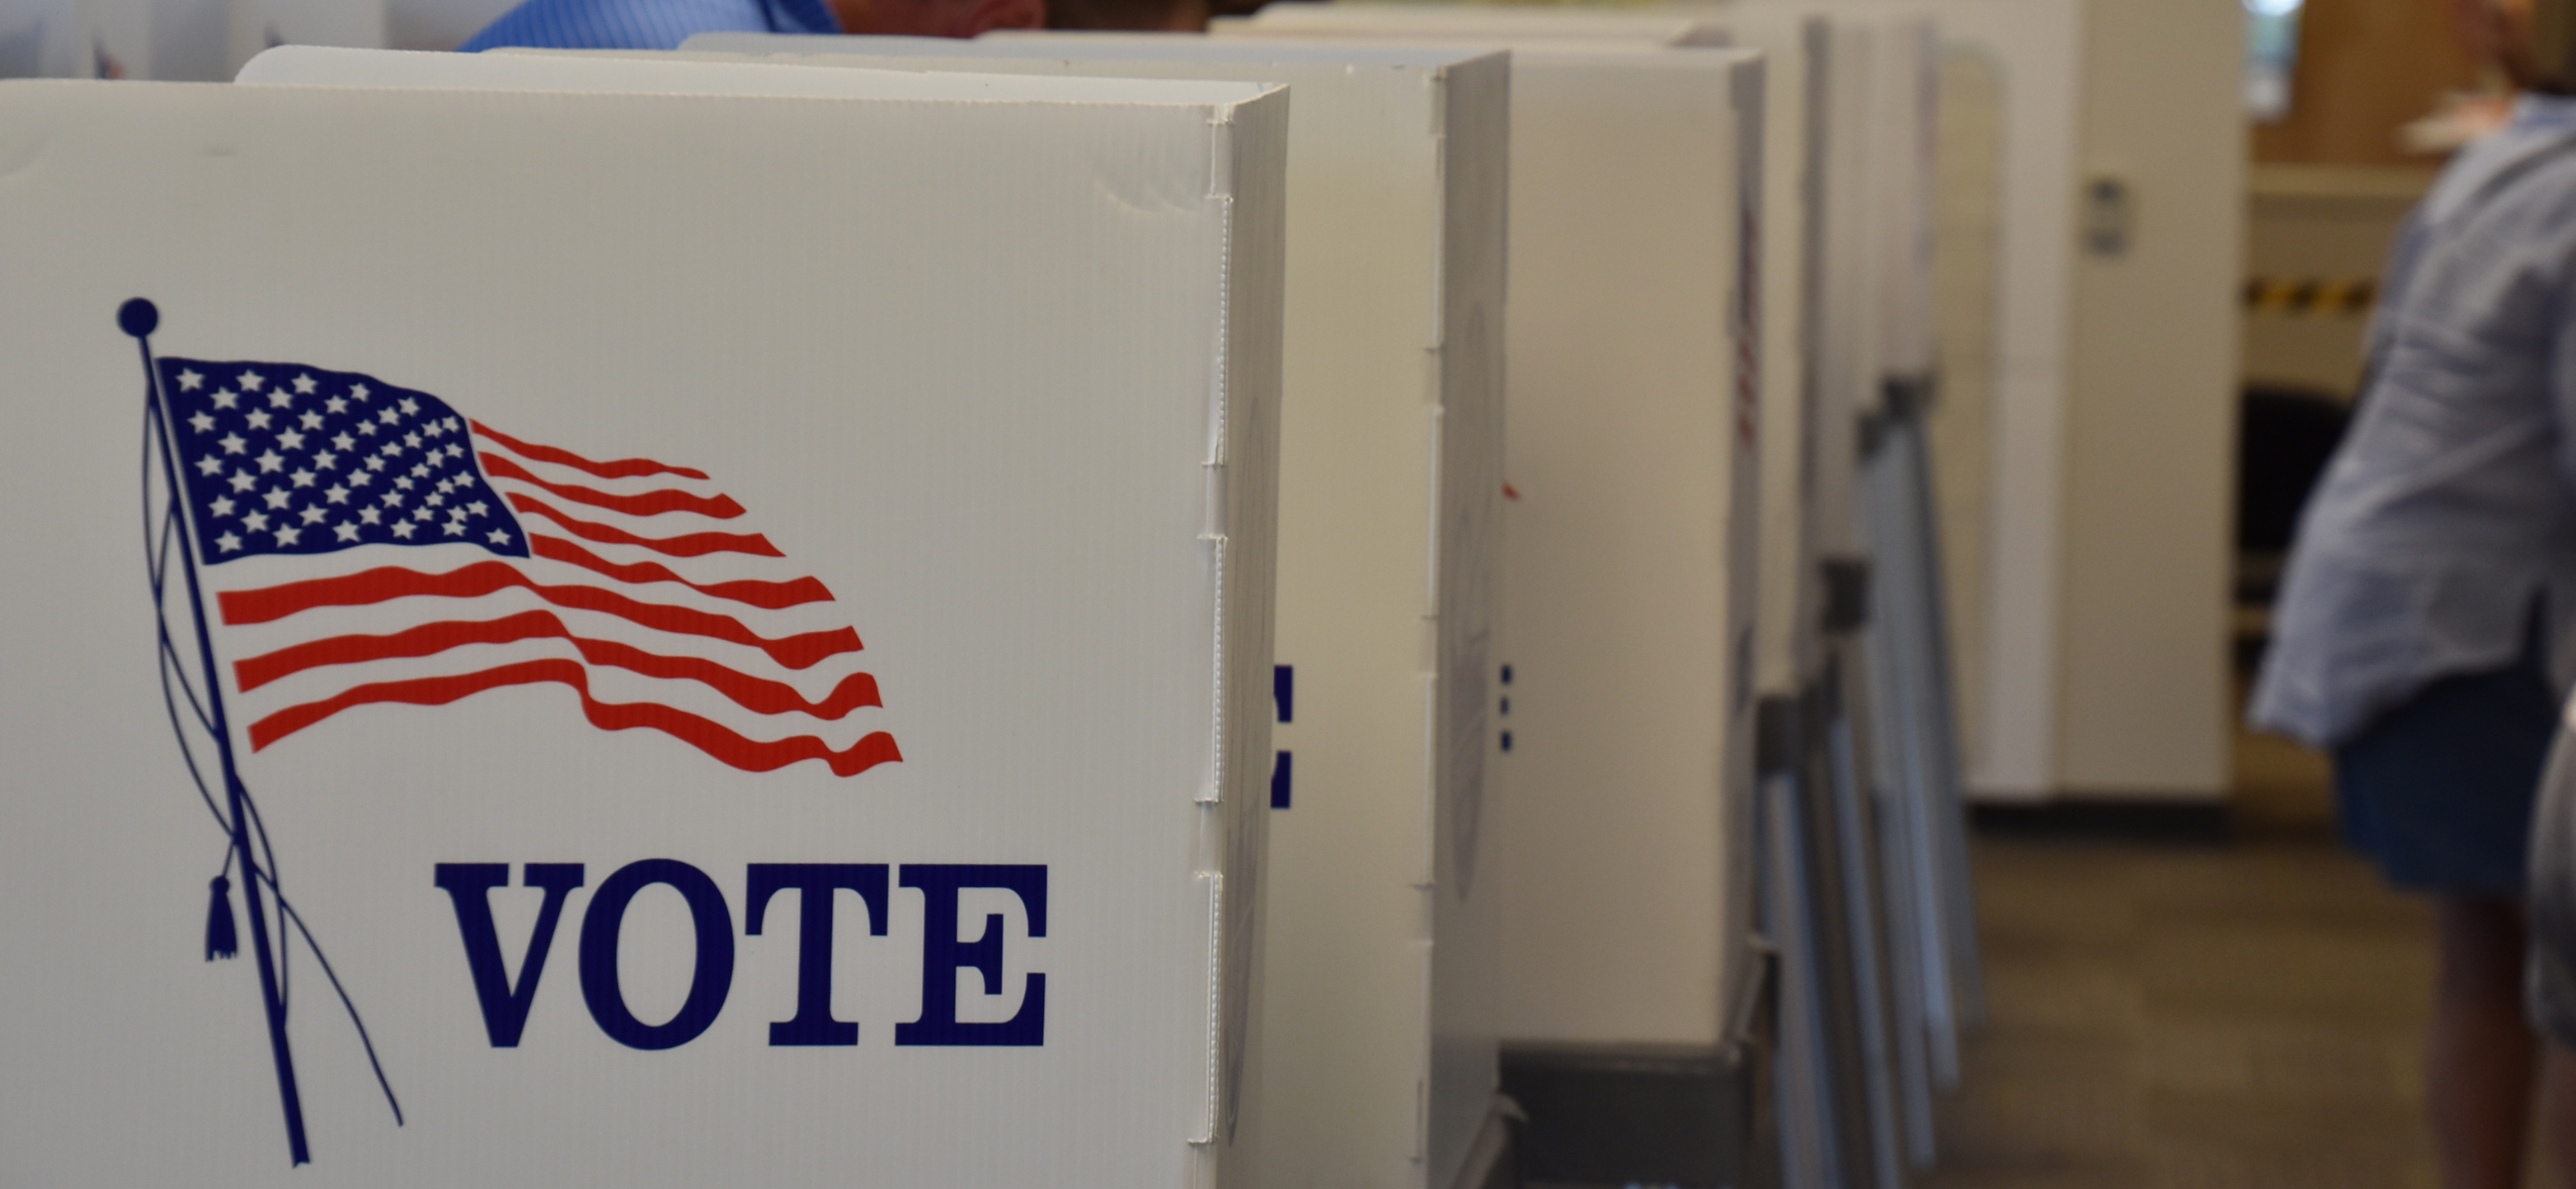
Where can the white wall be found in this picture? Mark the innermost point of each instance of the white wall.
(2143, 691)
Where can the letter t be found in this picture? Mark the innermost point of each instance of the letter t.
(815, 884)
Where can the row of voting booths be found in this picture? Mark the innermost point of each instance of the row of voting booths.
(1397, 549)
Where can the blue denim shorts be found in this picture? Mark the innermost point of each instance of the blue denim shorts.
(2440, 790)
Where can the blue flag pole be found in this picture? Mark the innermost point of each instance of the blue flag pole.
(139, 318)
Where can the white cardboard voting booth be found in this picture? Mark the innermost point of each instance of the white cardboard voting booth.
(1628, 566)
(1835, 1095)
(1381, 962)
(1796, 49)
(1499, 23)
(696, 392)
(1629, 555)
(2093, 637)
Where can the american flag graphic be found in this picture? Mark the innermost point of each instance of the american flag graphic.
(366, 545)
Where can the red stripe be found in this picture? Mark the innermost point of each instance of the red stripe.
(685, 545)
(651, 503)
(751, 693)
(750, 755)
(766, 595)
(271, 603)
(624, 468)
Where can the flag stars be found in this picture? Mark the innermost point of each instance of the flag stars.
(298, 472)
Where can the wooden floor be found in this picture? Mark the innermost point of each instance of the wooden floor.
(2209, 1016)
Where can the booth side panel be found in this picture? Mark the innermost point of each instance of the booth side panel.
(1466, 918)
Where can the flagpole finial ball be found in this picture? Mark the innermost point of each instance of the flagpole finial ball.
(138, 317)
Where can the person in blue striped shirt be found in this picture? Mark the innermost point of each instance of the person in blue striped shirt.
(2427, 626)
(664, 24)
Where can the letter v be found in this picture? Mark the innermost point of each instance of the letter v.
(505, 1008)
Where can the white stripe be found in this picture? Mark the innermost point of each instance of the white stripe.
(607, 684)
(399, 615)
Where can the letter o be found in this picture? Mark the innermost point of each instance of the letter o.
(708, 985)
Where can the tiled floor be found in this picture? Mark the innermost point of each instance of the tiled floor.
(2206, 1017)
(2194, 1016)
(2247, 1015)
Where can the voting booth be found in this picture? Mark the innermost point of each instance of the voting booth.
(1381, 926)
(2087, 499)
(1795, 48)
(1865, 871)
(863, 482)
(1633, 414)
(1500, 24)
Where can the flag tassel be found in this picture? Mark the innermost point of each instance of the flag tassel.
(220, 942)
